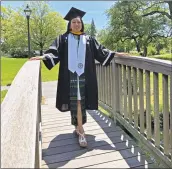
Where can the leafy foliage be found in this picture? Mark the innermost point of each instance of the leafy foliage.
(90, 29)
(87, 28)
(129, 29)
(45, 26)
(93, 29)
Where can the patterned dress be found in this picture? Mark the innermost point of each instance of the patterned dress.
(77, 92)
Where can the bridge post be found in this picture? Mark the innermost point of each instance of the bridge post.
(115, 92)
(38, 153)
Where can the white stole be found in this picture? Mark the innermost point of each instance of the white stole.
(76, 54)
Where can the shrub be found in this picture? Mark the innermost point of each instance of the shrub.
(151, 50)
(21, 54)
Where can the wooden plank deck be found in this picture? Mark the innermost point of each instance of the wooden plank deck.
(108, 145)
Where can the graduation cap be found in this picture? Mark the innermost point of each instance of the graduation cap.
(73, 13)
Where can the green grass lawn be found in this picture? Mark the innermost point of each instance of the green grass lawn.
(11, 66)
(167, 56)
(104, 111)
(164, 56)
(49, 75)
(3, 93)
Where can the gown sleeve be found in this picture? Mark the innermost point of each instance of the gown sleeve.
(101, 54)
(52, 56)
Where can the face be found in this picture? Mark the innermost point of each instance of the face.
(76, 24)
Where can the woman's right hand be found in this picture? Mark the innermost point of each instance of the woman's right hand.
(36, 58)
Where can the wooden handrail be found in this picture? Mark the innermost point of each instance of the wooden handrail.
(151, 64)
(20, 119)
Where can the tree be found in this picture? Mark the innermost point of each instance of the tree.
(127, 23)
(93, 29)
(105, 38)
(90, 29)
(162, 9)
(13, 33)
(45, 26)
(156, 8)
(87, 28)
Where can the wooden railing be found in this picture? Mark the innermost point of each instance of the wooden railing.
(21, 120)
(137, 92)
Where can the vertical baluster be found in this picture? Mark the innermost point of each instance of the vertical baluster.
(104, 84)
(103, 73)
(171, 115)
(165, 115)
(107, 81)
(112, 74)
(101, 86)
(135, 98)
(125, 92)
(122, 91)
(120, 88)
(108, 85)
(110, 78)
(129, 94)
(98, 79)
(141, 101)
(156, 109)
(148, 111)
(105, 68)
(115, 105)
(100, 82)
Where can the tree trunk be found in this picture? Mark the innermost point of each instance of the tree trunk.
(170, 7)
(137, 44)
(128, 50)
(145, 51)
(41, 49)
(41, 52)
(158, 50)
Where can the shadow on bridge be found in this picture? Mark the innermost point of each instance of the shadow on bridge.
(108, 146)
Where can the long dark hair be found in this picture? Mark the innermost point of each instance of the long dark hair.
(69, 29)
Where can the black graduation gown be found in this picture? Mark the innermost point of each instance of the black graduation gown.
(58, 52)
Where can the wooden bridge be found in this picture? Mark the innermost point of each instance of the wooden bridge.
(123, 133)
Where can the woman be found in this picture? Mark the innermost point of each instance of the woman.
(77, 82)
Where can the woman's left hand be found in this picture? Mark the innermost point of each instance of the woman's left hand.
(121, 54)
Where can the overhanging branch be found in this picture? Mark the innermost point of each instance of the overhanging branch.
(125, 39)
(160, 12)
